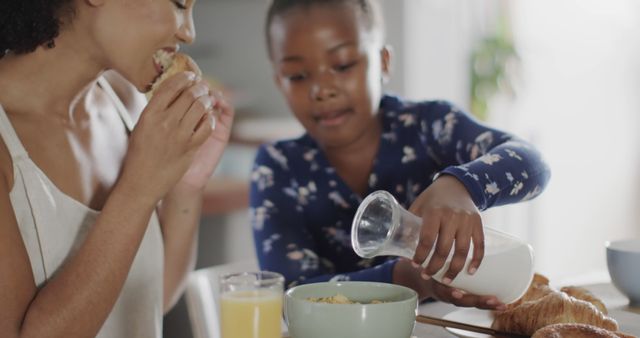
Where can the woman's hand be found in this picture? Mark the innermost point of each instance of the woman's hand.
(450, 219)
(404, 273)
(171, 130)
(208, 155)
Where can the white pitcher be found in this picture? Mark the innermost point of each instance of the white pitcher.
(382, 227)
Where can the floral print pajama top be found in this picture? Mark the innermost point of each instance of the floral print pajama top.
(301, 210)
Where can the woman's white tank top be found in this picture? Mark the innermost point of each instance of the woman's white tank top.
(54, 225)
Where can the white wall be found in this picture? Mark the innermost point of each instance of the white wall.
(230, 47)
(578, 101)
(580, 98)
(439, 39)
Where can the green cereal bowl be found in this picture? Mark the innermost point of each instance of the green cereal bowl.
(394, 318)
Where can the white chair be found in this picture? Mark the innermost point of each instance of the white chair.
(203, 297)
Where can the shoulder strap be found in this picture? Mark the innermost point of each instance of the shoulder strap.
(8, 134)
(124, 113)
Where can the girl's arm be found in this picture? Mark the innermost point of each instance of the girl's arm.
(496, 167)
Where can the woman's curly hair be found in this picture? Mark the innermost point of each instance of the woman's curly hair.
(27, 24)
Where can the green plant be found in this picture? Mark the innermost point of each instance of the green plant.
(492, 62)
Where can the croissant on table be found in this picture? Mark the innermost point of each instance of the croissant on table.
(538, 288)
(554, 307)
(539, 279)
(573, 330)
(572, 312)
(584, 294)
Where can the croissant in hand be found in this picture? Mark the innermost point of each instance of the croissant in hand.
(555, 307)
(171, 65)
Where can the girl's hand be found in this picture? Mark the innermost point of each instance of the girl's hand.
(458, 297)
(170, 131)
(208, 155)
(450, 219)
(407, 275)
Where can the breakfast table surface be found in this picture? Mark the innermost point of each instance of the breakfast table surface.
(617, 304)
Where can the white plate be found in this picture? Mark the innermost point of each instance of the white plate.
(469, 316)
(629, 320)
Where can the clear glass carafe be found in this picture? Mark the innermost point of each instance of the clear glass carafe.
(382, 227)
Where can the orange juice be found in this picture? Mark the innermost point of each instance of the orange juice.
(251, 314)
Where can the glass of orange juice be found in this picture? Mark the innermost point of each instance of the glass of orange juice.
(251, 304)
